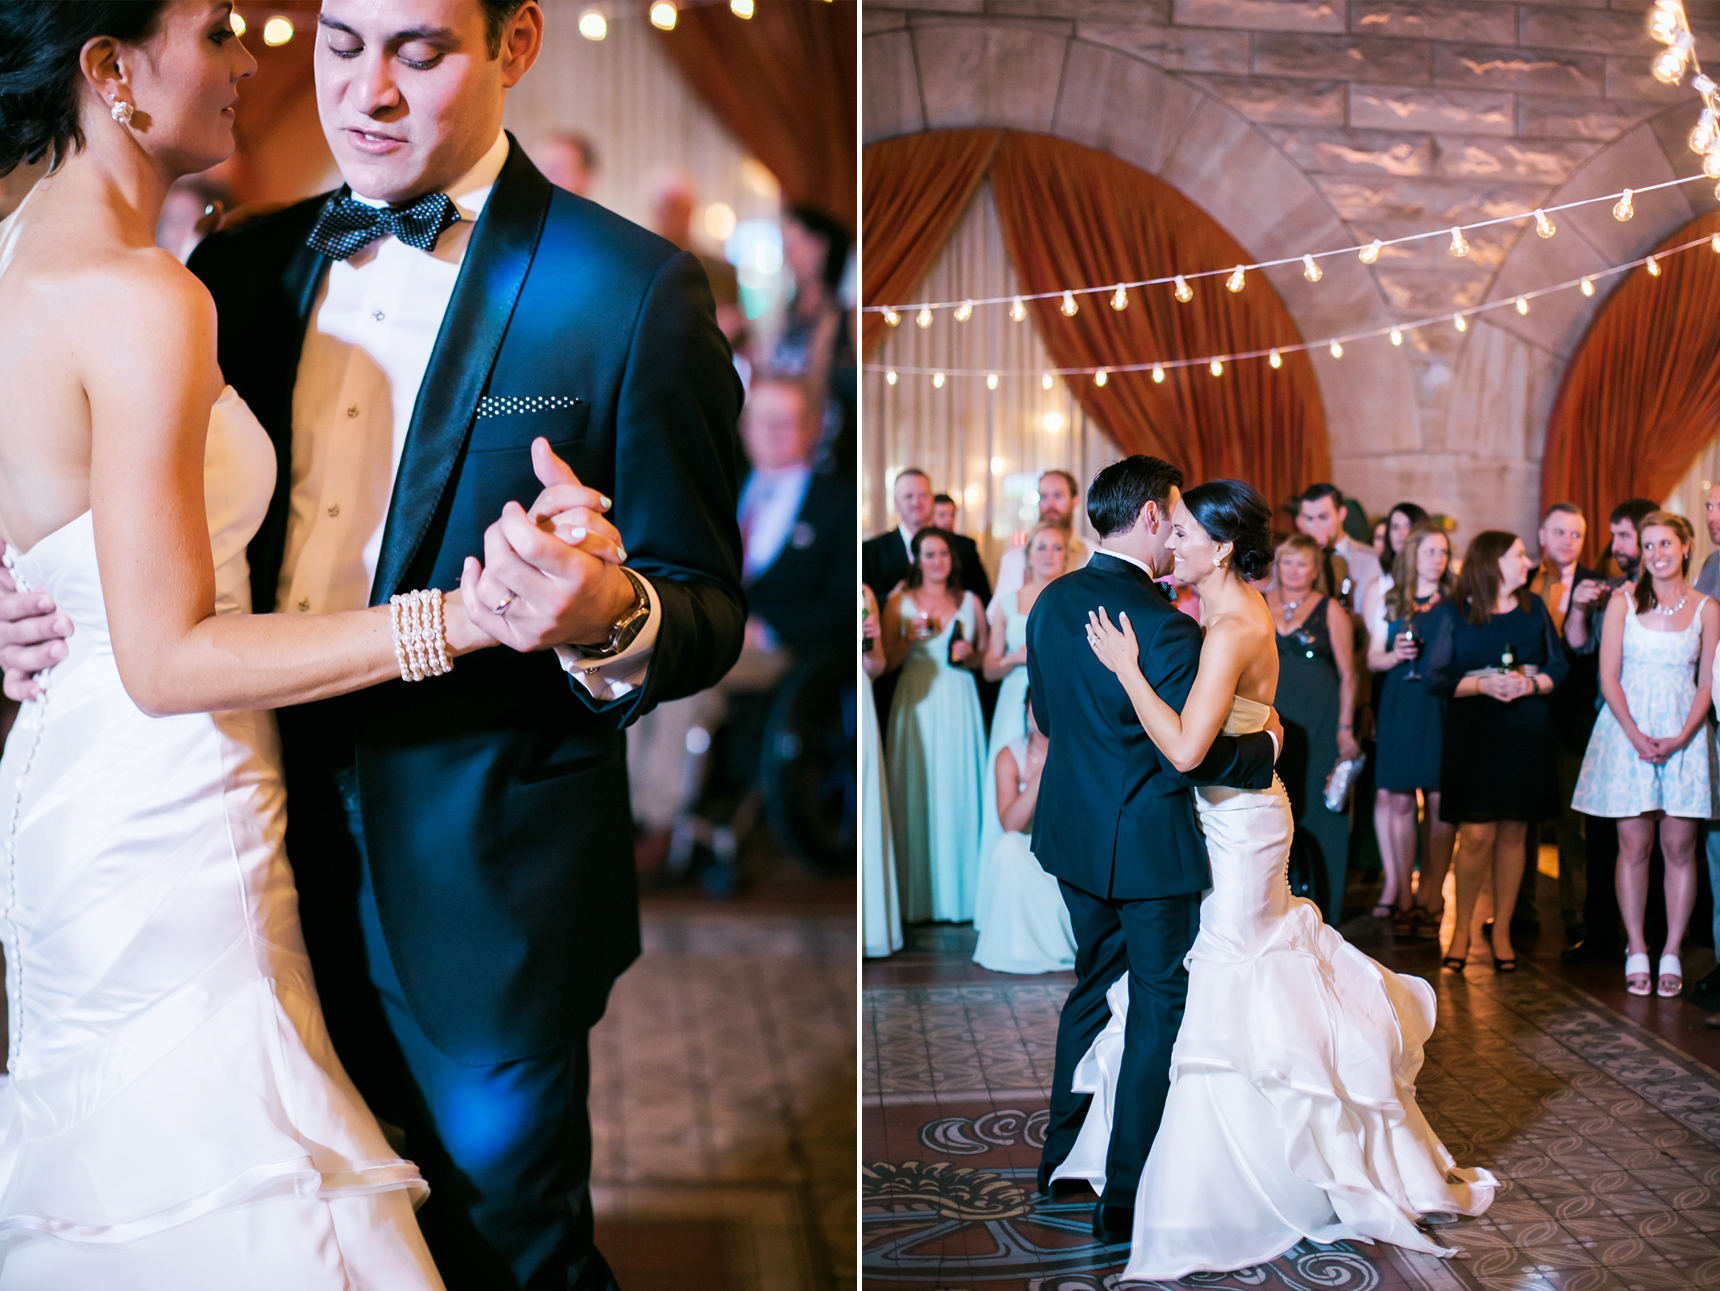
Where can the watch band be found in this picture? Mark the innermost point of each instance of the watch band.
(626, 628)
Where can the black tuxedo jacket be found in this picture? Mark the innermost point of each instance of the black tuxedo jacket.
(884, 562)
(807, 594)
(1573, 706)
(494, 799)
(1114, 816)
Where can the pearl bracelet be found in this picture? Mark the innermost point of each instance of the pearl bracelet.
(420, 636)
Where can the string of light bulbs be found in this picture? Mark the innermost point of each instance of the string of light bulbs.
(1623, 208)
(1274, 355)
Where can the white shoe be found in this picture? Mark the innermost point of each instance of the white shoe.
(1636, 975)
(1670, 970)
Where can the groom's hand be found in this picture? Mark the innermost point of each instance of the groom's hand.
(32, 636)
(551, 576)
(1275, 727)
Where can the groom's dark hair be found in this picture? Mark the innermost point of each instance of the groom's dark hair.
(497, 15)
(1122, 490)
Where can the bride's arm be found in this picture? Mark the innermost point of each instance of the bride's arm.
(1185, 737)
(151, 379)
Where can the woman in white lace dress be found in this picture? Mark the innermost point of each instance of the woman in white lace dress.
(1645, 765)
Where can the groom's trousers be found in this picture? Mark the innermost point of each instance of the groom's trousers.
(506, 1147)
(1146, 939)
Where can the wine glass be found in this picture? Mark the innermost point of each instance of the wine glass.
(1408, 634)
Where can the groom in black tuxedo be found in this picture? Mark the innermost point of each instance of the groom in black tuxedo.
(1115, 822)
(463, 846)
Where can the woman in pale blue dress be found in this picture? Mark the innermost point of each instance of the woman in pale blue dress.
(1047, 550)
(1645, 765)
(934, 750)
(880, 905)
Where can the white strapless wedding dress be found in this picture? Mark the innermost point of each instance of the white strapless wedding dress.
(1292, 1109)
(173, 1116)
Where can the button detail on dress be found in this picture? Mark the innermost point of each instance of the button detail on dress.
(352, 411)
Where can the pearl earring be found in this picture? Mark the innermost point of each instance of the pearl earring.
(122, 111)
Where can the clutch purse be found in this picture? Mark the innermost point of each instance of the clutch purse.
(1341, 782)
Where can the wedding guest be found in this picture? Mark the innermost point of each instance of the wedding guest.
(934, 635)
(673, 200)
(1496, 766)
(1058, 495)
(1409, 732)
(1047, 550)
(880, 903)
(1320, 513)
(568, 159)
(1399, 521)
(1380, 541)
(1028, 929)
(817, 337)
(1645, 764)
(1317, 703)
(1624, 526)
(1573, 595)
(944, 512)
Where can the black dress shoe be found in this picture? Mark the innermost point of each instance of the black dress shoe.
(1588, 951)
(1044, 1178)
(1708, 989)
(1113, 1223)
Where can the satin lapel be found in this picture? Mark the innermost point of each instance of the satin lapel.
(497, 260)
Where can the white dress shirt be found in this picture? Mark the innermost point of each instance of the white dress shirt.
(373, 328)
(1364, 566)
(770, 506)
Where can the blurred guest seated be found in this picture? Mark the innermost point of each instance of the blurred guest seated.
(568, 160)
(1058, 496)
(1027, 929)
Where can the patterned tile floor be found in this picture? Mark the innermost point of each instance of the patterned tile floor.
(1605, 1132)
(722, 1103)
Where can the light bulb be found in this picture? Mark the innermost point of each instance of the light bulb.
(1069, 307)
(277, 31)
(1217, 368)
(1522, 304)
(1397, 336)
(1310, 271)
(1663, 24)
(1158, 374)
(1458, 246)
(991, 380)
(964, 311)
(1714, 241)
(1622, 209)
(593, 25)
(1543, 226)
(741, 8)
(1336, 348)
(1236, 281)
(1703, 134)
(237, 22)
(937, 380)
(1275, 359)
(892, 318)
(1588, 286)
(663, 15)
(1711, 164)
(1183, 293)
(1018, 311)
(1119, 298)
(1100, 377)
(1052, 421)
(1046, 381)
(1668, 68)
(890, 378)
(924, 317)
(1460, 322)
(1371, 252)
(1653, 267)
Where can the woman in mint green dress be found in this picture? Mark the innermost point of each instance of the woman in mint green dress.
(934, 752)
(1047, 548)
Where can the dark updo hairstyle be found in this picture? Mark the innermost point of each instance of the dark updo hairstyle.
(41, 42)
(1234, 512)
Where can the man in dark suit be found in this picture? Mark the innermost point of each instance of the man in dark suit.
(1115, 822)
(462, 847)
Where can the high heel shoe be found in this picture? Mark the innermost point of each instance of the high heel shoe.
(1500, 965)
(1452, 962)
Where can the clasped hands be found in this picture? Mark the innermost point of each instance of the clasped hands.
(551, 575)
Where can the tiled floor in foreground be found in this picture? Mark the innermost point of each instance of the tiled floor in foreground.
(722, 1104)
(1607, 1138)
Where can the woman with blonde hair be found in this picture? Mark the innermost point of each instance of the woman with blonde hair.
(1047, 549)
(1645, 765)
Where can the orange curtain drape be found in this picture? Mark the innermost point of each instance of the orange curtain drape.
(914, 190)
(1073, 215)
(1641, 399)
(785, 82)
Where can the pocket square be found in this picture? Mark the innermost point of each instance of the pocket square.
(508, 405)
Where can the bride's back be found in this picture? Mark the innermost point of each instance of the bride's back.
(1244, 611)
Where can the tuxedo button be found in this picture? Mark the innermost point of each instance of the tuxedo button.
(352, 411)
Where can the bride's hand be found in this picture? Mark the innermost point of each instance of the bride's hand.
(1116, 646)
(464, 636)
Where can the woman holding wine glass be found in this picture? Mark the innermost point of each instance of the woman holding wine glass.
(935, 633)
(1409, 732)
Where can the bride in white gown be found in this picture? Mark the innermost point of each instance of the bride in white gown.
(1292, 1109)
(172, 1116)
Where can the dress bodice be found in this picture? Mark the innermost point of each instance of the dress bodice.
(1246, 716)
(937, 648)
(1311, 640)
(1660, 657)
(1014, 625)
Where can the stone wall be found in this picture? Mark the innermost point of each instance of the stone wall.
(1306, 124)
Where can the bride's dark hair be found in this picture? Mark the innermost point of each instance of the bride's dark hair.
(1234, 512)
(40, 44)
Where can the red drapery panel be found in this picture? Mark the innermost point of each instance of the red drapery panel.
(1641, 399)
(914, 190)
(1075, 216)
(785, 82)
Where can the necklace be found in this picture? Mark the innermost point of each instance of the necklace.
(1682, 602)
(1290, 607)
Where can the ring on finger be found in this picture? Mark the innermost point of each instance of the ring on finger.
(502, 606)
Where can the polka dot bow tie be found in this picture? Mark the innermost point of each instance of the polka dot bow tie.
(346, 225)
